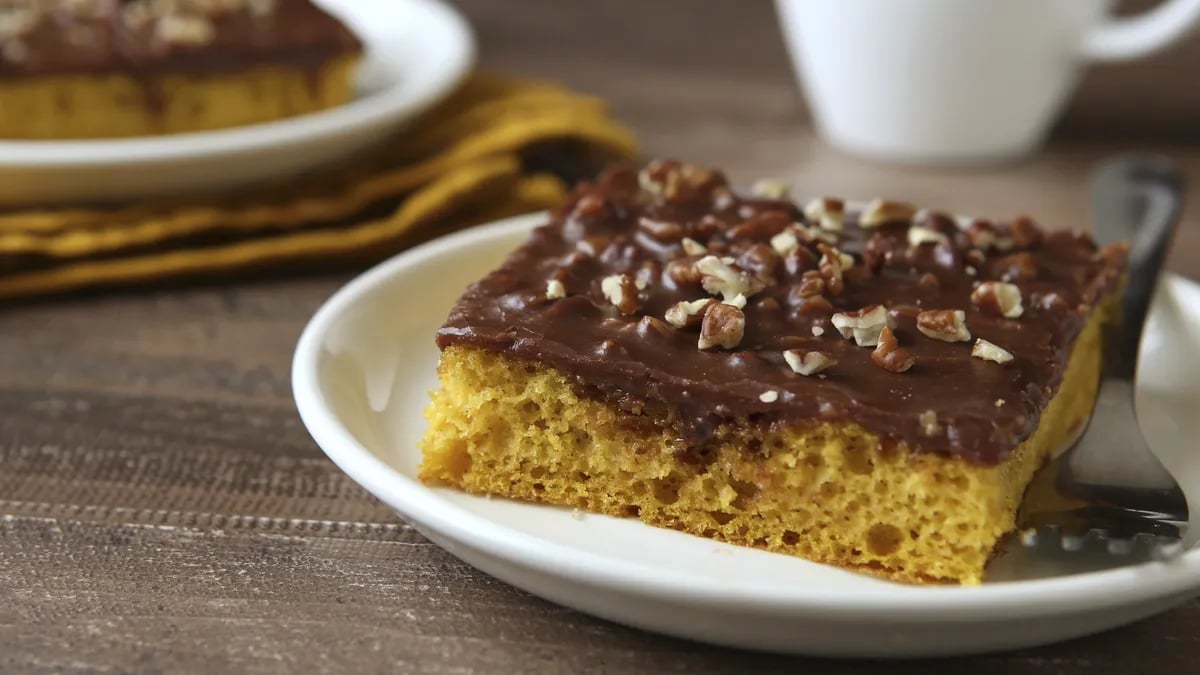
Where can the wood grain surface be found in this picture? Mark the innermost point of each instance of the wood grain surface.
(163, 510)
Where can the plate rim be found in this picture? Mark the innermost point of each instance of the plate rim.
(909, 604)
(393, 103)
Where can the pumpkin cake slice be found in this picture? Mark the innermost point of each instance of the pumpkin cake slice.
(868, 386)
(115, 68)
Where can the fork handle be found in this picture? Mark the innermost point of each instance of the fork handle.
(1136, 199)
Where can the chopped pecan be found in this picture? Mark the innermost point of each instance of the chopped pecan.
(808, 362)
(999, 298)
(832, 265)
(948, 325)
(827, 213)
(770, 188)
(662, 230)
(185, 29)
(988, 351)
(621, 290)
(555, 290)
(880, 211)
(864, 325)
(719, 276)
(723, 326)
(1025, 233)
(985, 236)
(929, 423)
(799, 261)
(649, 271)
(649, 326)
(761, 226)
(693, 247)
(785, 242)
(918, 236)
(889, 355)
(761, 260)
(1017, 267)
(684, 314)
(675, 180)
(811, 284)
(683, 272)
(878, 252)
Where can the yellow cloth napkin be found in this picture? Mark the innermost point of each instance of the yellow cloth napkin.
(484, 153)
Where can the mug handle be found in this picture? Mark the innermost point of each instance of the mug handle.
(1124, 39)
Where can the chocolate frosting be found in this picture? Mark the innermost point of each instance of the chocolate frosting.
(634, 224)
(151, 37)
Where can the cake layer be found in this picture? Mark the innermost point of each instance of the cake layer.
(827, 491)
(109, 106)
(666, 288)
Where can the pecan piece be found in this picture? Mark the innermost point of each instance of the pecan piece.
(622, 291)
(683, 272)
(661, 230)
(864, 325)
(1017, 267)
(693, 247)
(948, 325)
(684, 314)
(918, 236)
(999, 298)
(832, 265)
(785, 242)
(1025, 233)
(988, 351)
(718, 276)
(929, 423)
(826, 213)
(761, 226)
(808, 362)
(985, 236)
(723, 326)
(881, 211)
(770, 188)
(555, 290)
(889, 355)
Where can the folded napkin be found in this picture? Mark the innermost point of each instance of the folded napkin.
(499, 146)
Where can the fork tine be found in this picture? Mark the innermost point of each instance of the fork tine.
(1159, 547)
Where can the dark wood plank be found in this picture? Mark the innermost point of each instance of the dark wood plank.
(243, 598)
(163, 510)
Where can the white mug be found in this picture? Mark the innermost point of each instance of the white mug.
(957, 81)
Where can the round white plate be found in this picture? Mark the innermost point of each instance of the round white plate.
(416, 52)
(367, 360)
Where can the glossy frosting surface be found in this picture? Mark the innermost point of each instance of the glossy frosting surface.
(907, 261)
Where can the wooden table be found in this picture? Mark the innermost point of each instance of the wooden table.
(163, 509)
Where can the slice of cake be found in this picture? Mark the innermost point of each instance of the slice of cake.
(868, 386)
(106, 68)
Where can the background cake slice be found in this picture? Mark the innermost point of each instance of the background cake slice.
(869, 386)
(111, 68)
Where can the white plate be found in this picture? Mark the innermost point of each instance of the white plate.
(416, 52)
(361, 375)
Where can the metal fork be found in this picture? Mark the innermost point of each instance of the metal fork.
(1108, 484)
